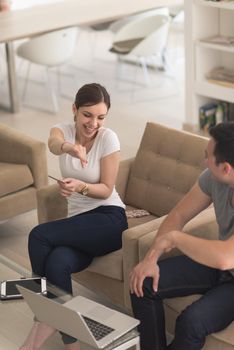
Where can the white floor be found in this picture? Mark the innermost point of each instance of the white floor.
(161, 102)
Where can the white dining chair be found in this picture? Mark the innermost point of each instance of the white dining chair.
(143, 39)
(115, 26)
(51, 50)
(176, 35)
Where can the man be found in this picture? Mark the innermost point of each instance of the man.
(205, 267)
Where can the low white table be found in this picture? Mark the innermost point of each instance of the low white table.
(126, 342)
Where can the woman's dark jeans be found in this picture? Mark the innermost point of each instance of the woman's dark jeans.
(181, 276)
(59, 248)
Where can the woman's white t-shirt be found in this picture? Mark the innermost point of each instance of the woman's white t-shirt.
(105, 143)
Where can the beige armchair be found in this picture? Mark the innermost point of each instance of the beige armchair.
(23, 170)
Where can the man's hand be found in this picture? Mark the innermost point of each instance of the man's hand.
(146, 268)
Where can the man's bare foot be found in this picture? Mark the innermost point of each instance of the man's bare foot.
(39, 333)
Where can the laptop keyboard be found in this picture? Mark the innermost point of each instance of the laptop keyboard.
(98, 329)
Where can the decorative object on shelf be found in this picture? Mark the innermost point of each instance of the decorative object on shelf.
(221, 76)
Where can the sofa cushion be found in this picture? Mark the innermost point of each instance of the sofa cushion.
(166, 166)
(111, 265)
(14, 177)
(203, 225)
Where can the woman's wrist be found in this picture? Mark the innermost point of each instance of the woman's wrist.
(62, 146)
(84, 189)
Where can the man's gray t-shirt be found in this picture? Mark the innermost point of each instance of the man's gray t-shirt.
(221, 195)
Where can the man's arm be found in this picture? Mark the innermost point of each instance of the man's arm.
(188, 207)
(193, 203)
(213, 253)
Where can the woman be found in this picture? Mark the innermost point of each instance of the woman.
(89, 160)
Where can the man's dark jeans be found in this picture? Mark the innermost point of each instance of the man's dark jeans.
(181, 276)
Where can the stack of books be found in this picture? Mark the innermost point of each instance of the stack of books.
(220, 40)
(221, 76)
(213, 113)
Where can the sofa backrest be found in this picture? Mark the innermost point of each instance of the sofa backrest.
(166, 166)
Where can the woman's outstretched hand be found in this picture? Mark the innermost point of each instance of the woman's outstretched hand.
(77, 151)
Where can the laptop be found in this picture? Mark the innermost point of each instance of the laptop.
(82, 318)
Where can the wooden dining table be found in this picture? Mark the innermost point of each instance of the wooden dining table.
(50, 16)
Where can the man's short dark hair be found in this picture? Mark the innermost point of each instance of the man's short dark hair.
(223, 134)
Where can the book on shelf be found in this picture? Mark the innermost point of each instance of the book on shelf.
(207, 116)
(220, 40)
(222, 76)
(213, 113)
(222, 83)
(231, 112)
(225, 110)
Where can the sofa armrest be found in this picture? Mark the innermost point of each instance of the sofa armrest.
(203, 225)
(19, 148)
(130, 249)
(50, 204)
(137, 241)
(122, 178)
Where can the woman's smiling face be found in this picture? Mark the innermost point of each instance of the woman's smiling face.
(89, 119)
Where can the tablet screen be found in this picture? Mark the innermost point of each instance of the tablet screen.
(32, 284)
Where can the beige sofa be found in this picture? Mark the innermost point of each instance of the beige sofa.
(167, 164)
(23, 170)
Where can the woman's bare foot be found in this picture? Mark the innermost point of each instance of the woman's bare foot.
(28, 343)
(43, 333)
(39, 333)
(73, 346)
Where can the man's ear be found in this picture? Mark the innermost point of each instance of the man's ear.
(227, 168)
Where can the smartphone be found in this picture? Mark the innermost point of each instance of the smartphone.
(10, 291)
(54, 178)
